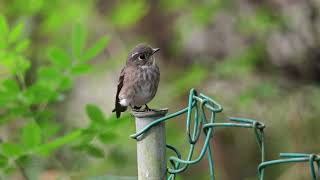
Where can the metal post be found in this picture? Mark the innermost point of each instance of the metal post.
(151, 147)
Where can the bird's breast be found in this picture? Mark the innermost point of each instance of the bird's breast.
(146, 85)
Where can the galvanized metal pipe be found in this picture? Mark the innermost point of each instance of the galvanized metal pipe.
(151, 146)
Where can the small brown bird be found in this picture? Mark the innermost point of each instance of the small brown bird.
(138, 81)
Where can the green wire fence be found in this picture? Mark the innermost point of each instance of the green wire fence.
(294, 158)
(198, 105)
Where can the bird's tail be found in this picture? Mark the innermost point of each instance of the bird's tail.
(118, 108)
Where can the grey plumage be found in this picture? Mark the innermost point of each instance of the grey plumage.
(139, 79)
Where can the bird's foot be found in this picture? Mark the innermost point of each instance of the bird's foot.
(136, 108)
(147, 108)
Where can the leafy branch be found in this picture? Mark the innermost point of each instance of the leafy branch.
(31, 103)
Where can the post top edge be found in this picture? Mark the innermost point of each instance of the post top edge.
(152, 113)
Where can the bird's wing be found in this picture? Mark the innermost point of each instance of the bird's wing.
(118, 108)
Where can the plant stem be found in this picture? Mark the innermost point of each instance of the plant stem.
(22, 170)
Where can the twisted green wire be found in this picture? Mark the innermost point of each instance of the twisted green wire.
(198, 103)
(294, 158)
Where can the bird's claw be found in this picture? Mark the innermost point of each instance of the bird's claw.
(147, 109)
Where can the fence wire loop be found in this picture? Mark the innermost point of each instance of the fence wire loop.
(286, 158)
(201, 112)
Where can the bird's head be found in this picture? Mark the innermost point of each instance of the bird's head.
(142, 55)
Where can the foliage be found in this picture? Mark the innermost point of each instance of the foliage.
(31, 103)
(127, 13)
(262, 22)
(241, 64)
(200, 13)
(100, 128)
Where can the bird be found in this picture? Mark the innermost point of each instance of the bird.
(138, 80)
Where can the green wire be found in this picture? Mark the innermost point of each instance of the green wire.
(198, 103)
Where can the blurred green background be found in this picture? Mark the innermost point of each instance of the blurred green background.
(59, 66)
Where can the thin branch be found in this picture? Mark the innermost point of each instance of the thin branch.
(22, 171)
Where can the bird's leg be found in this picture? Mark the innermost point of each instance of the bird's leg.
(147, 108)
(136, 108)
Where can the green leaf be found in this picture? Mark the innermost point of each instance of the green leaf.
(108, 137)
(8, 59)
(49, 77)
(11, 150)
(46, 121)
(95, 151)
(14, 63)
(66, 83)
(3, 161)
(4, 28)
(31, 135)
(49, 73)
(96, 48)
(9, 93)
(22, 45)
(49, 128)
(15, 33)
(39, 93)
(43, 117)
(22, 65)
(47, 148)
(14, 113)
(81, 69)
(7, 98)
(87, 136)
(112, 121)
(78, 40)
(23, 160)
(59, 57)
(95, 114)
(11, 86)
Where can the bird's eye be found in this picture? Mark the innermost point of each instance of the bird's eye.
(142, 57)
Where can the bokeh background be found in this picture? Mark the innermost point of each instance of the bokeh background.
(59, 66)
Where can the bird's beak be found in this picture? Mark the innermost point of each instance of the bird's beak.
(154, 50)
